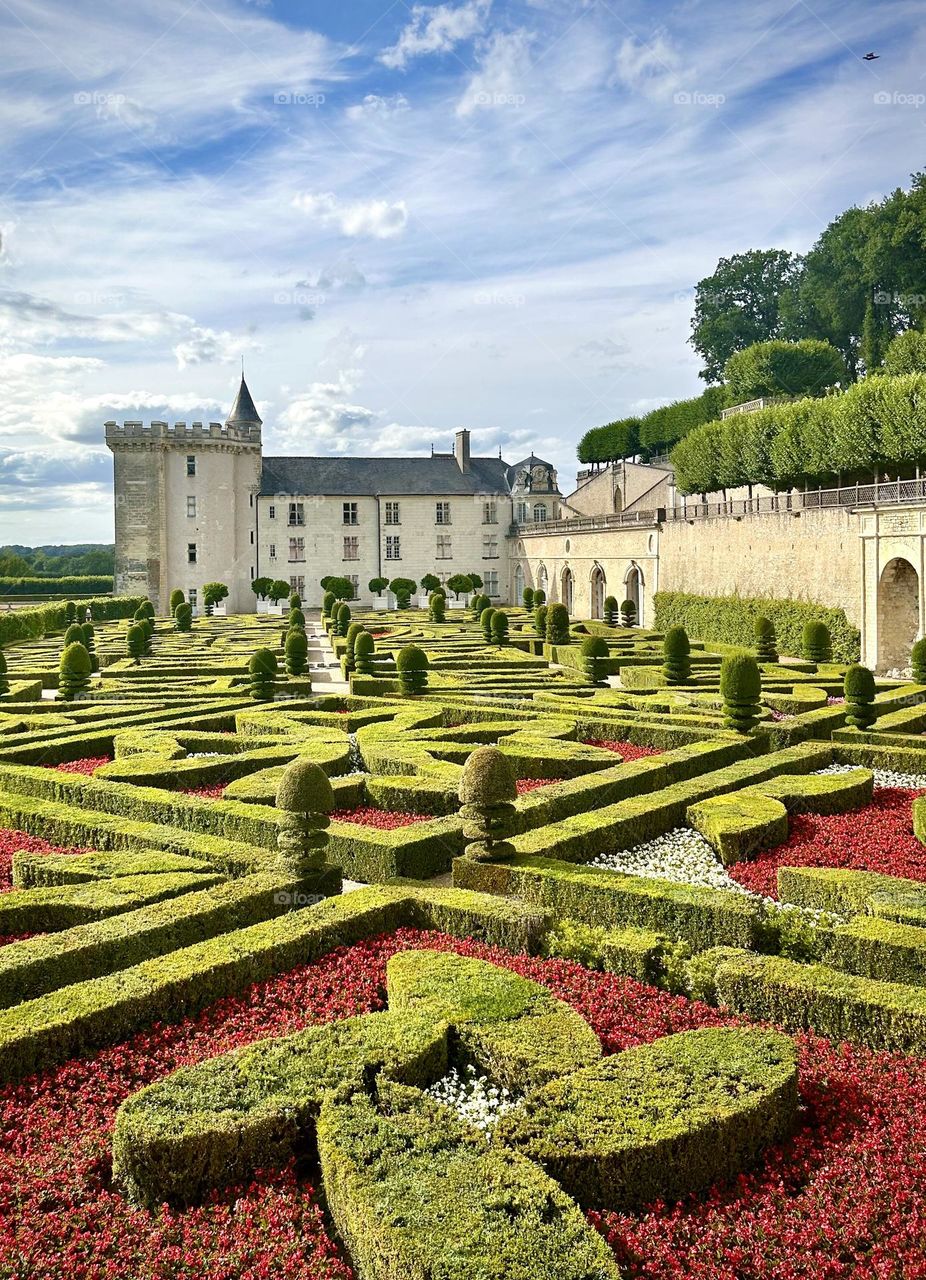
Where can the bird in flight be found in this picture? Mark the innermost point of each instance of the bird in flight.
(870, 57)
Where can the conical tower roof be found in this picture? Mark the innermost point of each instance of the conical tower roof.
(243, 411)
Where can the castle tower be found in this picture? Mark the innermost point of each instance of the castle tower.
(186, 505)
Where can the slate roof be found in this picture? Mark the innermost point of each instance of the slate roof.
(373, 477)
(243, 411)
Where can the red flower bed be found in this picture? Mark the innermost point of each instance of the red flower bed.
(626, 750)
(878, 837)
(531, 784)
(382, 819)
(86, 766)
(211, 792)
(841, 1201)
(12, 842)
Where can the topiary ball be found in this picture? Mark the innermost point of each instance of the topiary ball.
(263, 663)
(918, 661)
(859, 684)
(487, 779)
(816, 642)
(304, 788)
(296, 618)
(76, 659)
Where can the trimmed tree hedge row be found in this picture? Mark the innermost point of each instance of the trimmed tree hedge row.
(732, 619)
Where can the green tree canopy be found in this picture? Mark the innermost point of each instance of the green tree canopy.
(741, 303)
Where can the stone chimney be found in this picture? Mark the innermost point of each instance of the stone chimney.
(461, 450)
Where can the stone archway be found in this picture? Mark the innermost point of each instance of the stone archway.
(598, 586)
(898, 614)
(633, 589)
(567, 589)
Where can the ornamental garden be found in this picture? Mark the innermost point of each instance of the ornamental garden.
(457, 943)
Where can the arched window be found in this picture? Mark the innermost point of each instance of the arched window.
(540, 512)
(597, 588)
(518, 584)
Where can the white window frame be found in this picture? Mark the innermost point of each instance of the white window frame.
(442, 513)
(393, 547)
(349, 513)
(191, 506)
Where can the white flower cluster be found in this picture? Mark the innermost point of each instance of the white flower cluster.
(884, 777)
(202, 755)
(682, 856)
(474, 1098)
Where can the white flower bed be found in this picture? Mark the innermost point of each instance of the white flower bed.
(884, 777)
(203, 755)
(474, 1098)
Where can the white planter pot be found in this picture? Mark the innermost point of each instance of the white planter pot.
(423, 601)
(263, 606)
(277, 610)
(380, 602)
(457, 604)
(220, 610)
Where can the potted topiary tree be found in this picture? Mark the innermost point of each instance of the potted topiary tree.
(816, 644)
(74, 673)
(378, 588)
(278, 592)
(676, 660)
(412, 667)
(766, 640)
(487, 793)
(741, 691)
(527, 598)
(859, 688)
(261, 588)
(629, 613)
(214, 593)
(461, 584)
(429, 583)
(402, 589)
(595, 655)
(262, 670)
(611, 612)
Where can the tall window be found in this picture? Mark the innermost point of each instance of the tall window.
(192, 597)
(392, 513)
(444, 551)
(490, 585)
(490, 512)
(522, 512)
(490, 547)
(191, 507)
(272, 512)
(297, 549)
(393, 547)
(297, 513)
(442, 514)
(352, 548)
(297, 584)
(191, 464)
(540, 512)
(350, 513)
(191, 553)
(354, 580)
(273, 551)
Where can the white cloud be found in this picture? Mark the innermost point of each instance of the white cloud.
(376, 107)
(378, 219)
(207, 346)
(436, 29)
(504, 65)
(649, 67)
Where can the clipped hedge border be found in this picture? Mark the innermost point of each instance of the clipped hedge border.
(731, 620)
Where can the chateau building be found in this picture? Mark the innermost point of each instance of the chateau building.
(200, 503)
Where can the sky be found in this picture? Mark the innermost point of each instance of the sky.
(406, 218)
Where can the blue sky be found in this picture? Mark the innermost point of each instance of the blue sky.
(407, 217)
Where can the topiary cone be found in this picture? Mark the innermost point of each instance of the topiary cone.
(676, 649)
(487, 793)
(305, 797)
(859, 688)
(741, 690)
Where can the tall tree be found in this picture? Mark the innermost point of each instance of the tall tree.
(742, 303)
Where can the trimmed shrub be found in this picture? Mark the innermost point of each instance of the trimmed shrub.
(487, 793)
(306, 798)
(430, 582)
(859, 688)
(342, 619)
(136, 641)
(676, 650)
(176, 597)
(479, 604)
(74, 634)
(412, 668)
(611, 611)
(147, 609)
(349, 660)
(279, 590)
(741, 690)
(540, 620)
(70, 612)
(295, 618)
(74, 672)
(527, 598)
(377, 586)
(437, 606)
(595, 654)
(328, 604)
(90, 644)
(558, 624)
(500, 627)
(628, 613)
(485, 620)
(364, 647)
(295, 601)
(731, 620)
(816, 645)
(540, 597)
(4, 682)
(262, 669)
(296, 650)
(918, 661)
(183, 617)
(766, 645)
(402, 589)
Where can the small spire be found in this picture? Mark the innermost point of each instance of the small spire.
(243, 411)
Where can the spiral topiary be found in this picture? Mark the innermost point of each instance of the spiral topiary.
(74, 635)
(89, 643)
(485, 621)
(557, 624)
(295, 601)
(487, 793)
(364, 648)
(527, 598)
(859, 687)
(342, 618)
(136, 640)
(437, 606)
(766, 640)
(594, 653)
(500, 627)
(4, 682)
(412, 667)
(918, 661)
(147, 608)
(629, 613)
(540, 620)
(348, 662)
(296, 652)
(741, 690)
(295, 619)
(479, 604)
(176, 597)
(183, 617)
(816, 645)
(262, 670)
(611, 611)
(70, 612)
(329, 600)
(676, 659)
(305, 798)
(74, 672)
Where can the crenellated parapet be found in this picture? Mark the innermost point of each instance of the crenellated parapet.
(181, 433)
